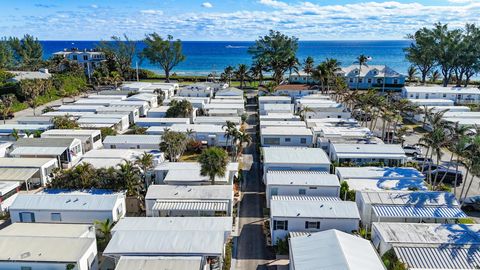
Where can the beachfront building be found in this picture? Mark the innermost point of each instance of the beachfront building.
(91, 139)
(48, 246)
(37, 171)
(197, 242)
(67, 151)
(388, 154)
(189, 200)
(381, 178)
(295, 90)
(300, 183)
(132, 142)
(310, 214)
(408, 206)
(429, 246)
(188, 173)
(78, 208)
(332, 249)
(459, 95)
(291, 136)
(380, 77)
(88, 59)
(294, 159)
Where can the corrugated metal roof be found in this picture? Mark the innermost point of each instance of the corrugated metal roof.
(159, 262)
(418, 212)
(449, 257)
(38, 151)
(16, 174)
(314, 209)
(44, 142)
(295, 155)
(140, 139)
(75, 202)
(306, 178)
(203, 205)
(411, 198)
(303, 198)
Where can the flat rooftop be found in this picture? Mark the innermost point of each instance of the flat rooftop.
(177, 192)
(378, 173)
(174, 224)
(48, 230)
(295, 155)
(159, 262)
(410, 198)
(292, 130)
(314, 209)
(67, 202)
(301, 178)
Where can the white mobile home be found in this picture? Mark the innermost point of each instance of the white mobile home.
(52, 247)
(82, 208)
(388, 154)
(205, 133)
(332, 122)
(291, 136)
(188, 173)
(118, 124)
(161, 262)
(67, 151)
(459, 95)
(142, 106)
(276, 108)
(152, 99)
(72, 114)
(132, 111)
(295, 90)
(408, 206)
(295, 159)
(35, 120)
(43, 166)
(311, 214)
(211, 107)
(182, 200)
(8, 193)
(197, 102)
(158, 112)
(230, 92)
(299, 183)
(333, 250)
(79, 108)
(196, 90)
(279, 117)
(91, 139)
(381, 178)
(285, 124)
(126, 154)
(324, 136)
(263, 100)
(432, 102)
(93, 101)
(116, 97)
(429, 246)
(7, 130)
(161, 122)
(217, 120)
(124, 118)
(132, 142)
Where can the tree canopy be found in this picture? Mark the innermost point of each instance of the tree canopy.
(213, 162)
(179, 109)
(173, 144)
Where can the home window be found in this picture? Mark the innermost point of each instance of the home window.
(55, 217)
(288, 140)
(271, 141)
(379, 80)
(74, 57)
(360, 80)
(25, 268)
(280, 225)
(302, 191)
(113, 146)
(85, 57)
(303, 140)
(27, 217)
(351, 80)
(369, 80)
(274, 191)
(312, 225)
(444, 95)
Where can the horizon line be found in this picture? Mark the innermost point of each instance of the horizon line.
(303, 40)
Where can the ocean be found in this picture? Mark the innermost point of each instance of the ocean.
(203, 57)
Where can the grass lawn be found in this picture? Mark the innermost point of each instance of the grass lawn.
(189, 157)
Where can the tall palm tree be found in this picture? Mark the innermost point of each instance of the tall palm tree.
(243, 139)
(229, 128)
(308, 66)
(227, 74)
(242, 74)
(6, 103)
(257, 70)
(435, 76)
(131, 178)
(320, 74)
(332, 67)
(213, 162)
(303, 112)
(145, 162)
(105, 229)
(361, 61)
(292, 65)
(412, 74)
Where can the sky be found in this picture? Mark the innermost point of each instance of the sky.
(230, 19)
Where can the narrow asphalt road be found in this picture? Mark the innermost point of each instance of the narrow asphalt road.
(251, 252)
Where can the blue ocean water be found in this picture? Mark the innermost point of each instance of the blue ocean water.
(203, 57)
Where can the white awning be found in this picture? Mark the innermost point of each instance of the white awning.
(38, 151)
(180, 205)
(17, 174)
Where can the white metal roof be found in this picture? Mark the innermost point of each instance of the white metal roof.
(439, 257)
(314, 209)
(7, 186)
(151, 243)
(284, 124)
(102, 162)
(428, 233)
(368, 150)
(66, 202)
(333, 250)
(38, 151)
(11, 162)
(73, 132)
(43, 249)
(303, 198)
(191, 205)
(295, 155)
(273, 98)
(207, 128)
(279, 130)
(410, 198)
(17, 174)
(176, 192)
(46, 142)
(402, 211)
(48, 230)
(128, 154)
(301, 178)
(139, 139)
(174, 224)
(159, 263)
(441, 90)
(100, 120)
(163, 120)
(22, 128)
(378, 173)
(370, 184)
(217, 119)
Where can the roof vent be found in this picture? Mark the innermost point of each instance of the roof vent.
(298, 214)
(76, 200)
(68, 201)
(25, 255)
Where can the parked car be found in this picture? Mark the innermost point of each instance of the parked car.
(412, 150)
(449, 175)
(360, 115)
(472, 203)
(422, 161)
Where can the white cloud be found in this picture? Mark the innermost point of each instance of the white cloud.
(207, 5)
(152, 11)
(461, 1)
(273, 3)
(94, 6)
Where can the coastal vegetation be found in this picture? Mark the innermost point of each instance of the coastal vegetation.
(453, 54)
(179, 109)
(213, 162)
(173, 144)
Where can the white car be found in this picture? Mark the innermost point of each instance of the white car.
(412, 150)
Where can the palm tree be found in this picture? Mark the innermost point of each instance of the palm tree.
(145, 162)
(303, 112)
(213, 162)
(332, 67)
(435, 76)
(227, 74)
(6, 103)
(308, 66)
(115, 78)
(229, 128)
(131, 178)
(292, 65)
(412, 74)
(319, 74)
(256, 71)
(105, 229)
(242, 74)
(244, 139)
(361, 61)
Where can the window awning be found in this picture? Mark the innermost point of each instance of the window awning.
(393, 211)
(188, 205)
